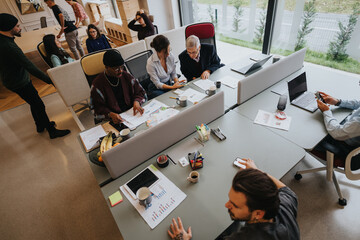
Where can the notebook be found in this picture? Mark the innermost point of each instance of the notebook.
(248, 68)
(299, 96)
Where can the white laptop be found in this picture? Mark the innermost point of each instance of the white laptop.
(299, 96)
(250, 67)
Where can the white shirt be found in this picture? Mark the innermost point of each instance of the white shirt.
(157, 73)
(350, 130)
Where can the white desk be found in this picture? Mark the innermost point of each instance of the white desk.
(204, 209)
(306, 129)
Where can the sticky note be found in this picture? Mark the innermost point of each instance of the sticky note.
(115, 198)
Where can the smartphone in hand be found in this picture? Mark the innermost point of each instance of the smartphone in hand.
(319, 97)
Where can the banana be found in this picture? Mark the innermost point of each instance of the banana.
(106, 143)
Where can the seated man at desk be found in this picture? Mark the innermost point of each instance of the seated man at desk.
(198, 60)
(343, 137)
(266, 205)
(116, 91)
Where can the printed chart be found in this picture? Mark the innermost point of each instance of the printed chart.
(166, 196)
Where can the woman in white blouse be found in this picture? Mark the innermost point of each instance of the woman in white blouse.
(161, 67)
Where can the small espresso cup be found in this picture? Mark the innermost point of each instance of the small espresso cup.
(211, 91)
(125, 134)
(182, 101)
(144, 196)
(218, 84)
(193, 177)
(162, 161)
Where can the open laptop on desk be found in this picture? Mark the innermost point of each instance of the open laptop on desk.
(299, 96)
(248, 68)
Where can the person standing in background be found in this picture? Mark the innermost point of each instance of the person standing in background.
(145, 27)
(67, 27)
(14, 74)
(80, 14)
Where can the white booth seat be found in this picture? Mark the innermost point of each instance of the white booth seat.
(72, 86)
(161, 136)
(131, 49)
(259, 81)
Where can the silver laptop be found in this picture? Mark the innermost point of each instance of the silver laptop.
(252, 66)
(299, 96)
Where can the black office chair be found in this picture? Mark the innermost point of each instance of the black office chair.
(41, 49)
(136, 65)
(156, 29)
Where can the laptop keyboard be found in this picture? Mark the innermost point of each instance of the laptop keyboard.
(305, 100)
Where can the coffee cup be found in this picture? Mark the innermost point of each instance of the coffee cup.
(218, 84)
(144, 196)
(211, 91)
(193, 177)
(182, 101)
(162, 161)
(276, 58)
(125, 134)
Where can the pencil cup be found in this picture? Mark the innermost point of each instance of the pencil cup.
(182, 101)
(193, 177)
(144, 196)
(211, 91)
(162, 161)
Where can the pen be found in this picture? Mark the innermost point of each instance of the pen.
(173, 98)
(171, 159)
(199, 141)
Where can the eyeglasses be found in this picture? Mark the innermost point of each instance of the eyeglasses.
(93, 31)
(193, 52)
(118, 69)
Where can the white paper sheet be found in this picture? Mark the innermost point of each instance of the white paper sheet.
(193, 95)
(166, 196)
(90, 137)
(204, 84)
(155, 112)
(269, 119)
(229, 81)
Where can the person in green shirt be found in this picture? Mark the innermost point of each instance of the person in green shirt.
(14, 74)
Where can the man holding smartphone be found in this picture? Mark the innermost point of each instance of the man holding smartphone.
(345, 136)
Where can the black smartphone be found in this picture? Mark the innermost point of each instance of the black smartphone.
(318, 96)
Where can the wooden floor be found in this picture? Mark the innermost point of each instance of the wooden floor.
(9, 99)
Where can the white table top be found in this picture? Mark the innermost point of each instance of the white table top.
(204, 209)
(306, 129)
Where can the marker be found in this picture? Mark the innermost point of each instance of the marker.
(171, 159)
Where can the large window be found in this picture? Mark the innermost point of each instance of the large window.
(329, 29)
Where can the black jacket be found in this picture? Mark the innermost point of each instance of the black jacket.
(209, 60)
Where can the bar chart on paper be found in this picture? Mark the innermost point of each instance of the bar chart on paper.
(166, 196)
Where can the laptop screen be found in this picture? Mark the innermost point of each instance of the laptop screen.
(297, 86)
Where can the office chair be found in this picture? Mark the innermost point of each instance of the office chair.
(136, 65)
(335, 163)
(92, 64)
(43, 22)
(204, 31)
(156, 29)
(41, 49)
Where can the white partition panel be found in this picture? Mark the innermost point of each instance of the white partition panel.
(259, 81)
(136, 150)
(132, 48)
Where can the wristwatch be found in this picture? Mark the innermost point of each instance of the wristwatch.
(338, 103)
